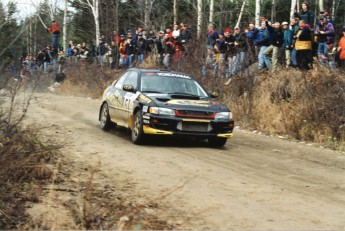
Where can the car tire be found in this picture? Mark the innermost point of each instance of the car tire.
(105, 121)
(137, 132)
(217, 141)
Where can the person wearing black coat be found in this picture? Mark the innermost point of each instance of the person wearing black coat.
(276, 37)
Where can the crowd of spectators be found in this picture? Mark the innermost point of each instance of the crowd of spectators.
(294, 44)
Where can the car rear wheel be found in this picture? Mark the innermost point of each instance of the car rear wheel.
(217, 142)
(137, 128)
(105, 118)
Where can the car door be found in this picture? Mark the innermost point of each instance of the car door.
(128, 98)
(116, 103)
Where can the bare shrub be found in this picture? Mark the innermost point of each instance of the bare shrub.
(23, 154)
(87, 80)
(305, 105)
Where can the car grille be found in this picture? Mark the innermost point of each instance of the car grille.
(195, 114)
(194, 127)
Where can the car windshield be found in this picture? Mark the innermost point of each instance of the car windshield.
(171, 83)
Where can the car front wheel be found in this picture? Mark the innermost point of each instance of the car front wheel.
(217, 141)
(105, 118)
(137, 128)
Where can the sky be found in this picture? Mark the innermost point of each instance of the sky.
(26, 8)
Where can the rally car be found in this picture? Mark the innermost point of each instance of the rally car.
(162, 102)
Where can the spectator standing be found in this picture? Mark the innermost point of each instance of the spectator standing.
(287, 44)
(230, 52)
(294, 29)
(176, 31)
(324, 33)
(185, 34)
(47, 59)
(262, 41)
(306, 15)
(113, 57)
(241, 50)
(122, 50)
(40, 58)
(141, 48)
(102, 51)
(328, 18)
(212, 35)
(328, 60)
(55, 30)
(303, 46)
(251, 34)
(129, 52)
(276, 41)
(220, 64)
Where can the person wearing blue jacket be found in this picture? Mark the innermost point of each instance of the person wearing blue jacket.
(262, 41)
(287, 43)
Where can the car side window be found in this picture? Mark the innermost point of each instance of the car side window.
(132, 79)
(119, 82)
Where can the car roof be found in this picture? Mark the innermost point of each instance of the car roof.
(146, 70)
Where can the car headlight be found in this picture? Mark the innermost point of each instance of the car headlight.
(223, 116)
(162, 111)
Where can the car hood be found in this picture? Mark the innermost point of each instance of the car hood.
(176, 102)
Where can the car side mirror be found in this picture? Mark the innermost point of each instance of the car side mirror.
(213, 94)
(128, 88)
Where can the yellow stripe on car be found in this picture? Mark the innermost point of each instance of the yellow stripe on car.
(148, 130)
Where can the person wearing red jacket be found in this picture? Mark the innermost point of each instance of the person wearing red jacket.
(341, 49)
(55, 30)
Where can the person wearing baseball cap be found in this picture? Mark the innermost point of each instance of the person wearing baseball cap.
(287, 44)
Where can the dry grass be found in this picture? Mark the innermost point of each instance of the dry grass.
(303, 105)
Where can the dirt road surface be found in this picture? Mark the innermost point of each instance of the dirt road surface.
(254, 182)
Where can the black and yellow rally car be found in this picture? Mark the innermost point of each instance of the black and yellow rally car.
(161, 102)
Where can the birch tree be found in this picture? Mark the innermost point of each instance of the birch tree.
(199, 20)
(273, 10)
(175, 11)
(147, 13)
(321, 6)
(257, 12)
(211, 19)
(293, 7)
(65, 27)
(241, 13)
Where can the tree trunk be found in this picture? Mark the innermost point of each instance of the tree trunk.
(257, 12)
(293, 7)
(273, 11)
(221, 15)
(211, 11)
(241, 13)
(321, 6)
(175, 11)
(65, 28)
(199, 21)
(147, 13)
(298, 5)
(96, 16)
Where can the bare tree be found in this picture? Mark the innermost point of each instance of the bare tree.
(175, 11)
(65, 27)
(293, 7)
(211, 11)
(241, 13)
(94, 7)
(199, 21)
(257, 12)
(273, 11)
(321, 6)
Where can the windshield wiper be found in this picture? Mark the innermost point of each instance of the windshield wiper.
(152, 91)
